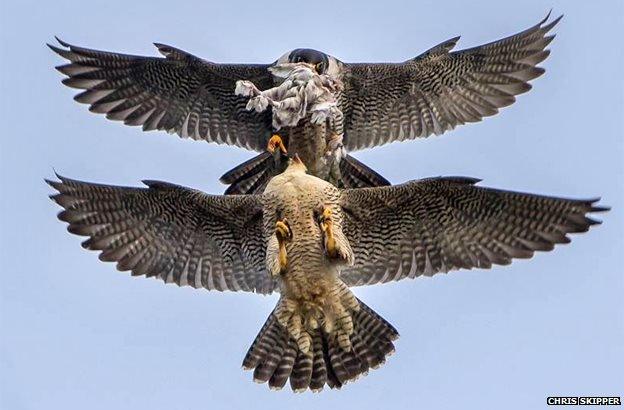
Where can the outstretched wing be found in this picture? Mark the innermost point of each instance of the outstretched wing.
(438, 90)
(170, 232)
(442, 224)
(180, 93)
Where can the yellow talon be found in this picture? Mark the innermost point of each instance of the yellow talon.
(283, 234)
(327, 227)
(275, 142)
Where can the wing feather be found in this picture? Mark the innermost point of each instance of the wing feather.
(167, 231)
(179, 93)
(441, 224)
(440, 89)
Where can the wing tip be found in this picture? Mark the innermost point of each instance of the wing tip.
(546, 28)
(61, 42)
(152, 183)
(463, 180)
(58, 49)
(61, 178)
(52, 47)
(156, 184)
(162, 48)
(171, 52)
(452, 42)
(545, 19)
(594, 207)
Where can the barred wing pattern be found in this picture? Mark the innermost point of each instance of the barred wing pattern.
(442, 224)
(438, 90)
(180, 93)
(170, 232)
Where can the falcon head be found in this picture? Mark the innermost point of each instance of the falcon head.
(323, 63)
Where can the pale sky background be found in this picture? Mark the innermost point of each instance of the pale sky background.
(75, 333)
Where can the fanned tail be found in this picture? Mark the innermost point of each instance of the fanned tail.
(252, 176)
(275, 356)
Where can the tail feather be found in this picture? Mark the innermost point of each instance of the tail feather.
(363, 352)
(352, 364)
(332, 379)
(357, 175)
(275, 355)
(374, 353)
(377, 335)
(251, 176)
(264, 371)
(285, 366)
(301, 376)
(319, 364)
(246, 169)
(250, 185)
(375, 324)
(337, 364)
(262, 345)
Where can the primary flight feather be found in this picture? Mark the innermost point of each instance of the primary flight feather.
(381, 102)
(311, 241)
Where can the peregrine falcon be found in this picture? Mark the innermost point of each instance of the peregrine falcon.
(381, 102)
(311, 241)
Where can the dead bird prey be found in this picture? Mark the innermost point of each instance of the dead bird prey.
(311, 241)
(380, 102)
(303, 91)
